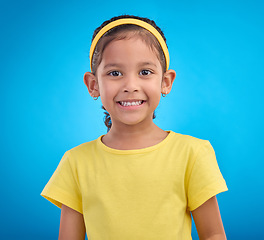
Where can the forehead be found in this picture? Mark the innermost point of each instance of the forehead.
(140, 33)
(129, 49)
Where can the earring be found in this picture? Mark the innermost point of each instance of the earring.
(95, 98)
(164, 94)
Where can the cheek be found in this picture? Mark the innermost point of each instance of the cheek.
(154, 93)
(154, 87)
(107, 94)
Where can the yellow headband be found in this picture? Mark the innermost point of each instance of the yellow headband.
(137, 22)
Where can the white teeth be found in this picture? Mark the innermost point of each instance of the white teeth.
(127, 104)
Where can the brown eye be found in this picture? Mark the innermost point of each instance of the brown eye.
(145, 72)
(115, 73)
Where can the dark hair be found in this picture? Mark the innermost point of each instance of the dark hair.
(120, 32)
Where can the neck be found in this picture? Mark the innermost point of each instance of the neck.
(134, 137)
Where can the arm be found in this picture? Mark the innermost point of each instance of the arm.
(208, 221)
(72, 225)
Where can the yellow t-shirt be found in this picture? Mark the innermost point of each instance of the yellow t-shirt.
(137, 194)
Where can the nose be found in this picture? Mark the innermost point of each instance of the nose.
(131, 84)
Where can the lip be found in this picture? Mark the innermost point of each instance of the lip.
(131, 103)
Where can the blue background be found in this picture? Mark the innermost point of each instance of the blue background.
(216, 48)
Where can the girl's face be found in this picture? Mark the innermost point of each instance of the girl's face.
(129, 79)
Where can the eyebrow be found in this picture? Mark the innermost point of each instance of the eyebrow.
(141, 64)
(147, 64)
(110, 65)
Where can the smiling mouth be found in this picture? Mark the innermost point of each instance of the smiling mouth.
(131, 103)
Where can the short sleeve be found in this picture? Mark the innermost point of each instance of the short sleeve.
(205, 179)
(63, 187)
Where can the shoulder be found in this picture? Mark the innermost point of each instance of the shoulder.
(87, 146)
(82, 152)
(188, 143)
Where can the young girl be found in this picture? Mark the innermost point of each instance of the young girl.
(137, 181)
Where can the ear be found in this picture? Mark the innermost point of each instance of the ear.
(167, 81)
(91, 84)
